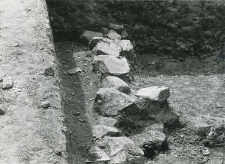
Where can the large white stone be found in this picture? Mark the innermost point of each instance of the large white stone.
(109, 101)
(95, 40)
(111, 65)
(100, 131)
(125, 44)
(113, 35)
(7, 83)
(111, 49)
(154, 93)
(117, 83)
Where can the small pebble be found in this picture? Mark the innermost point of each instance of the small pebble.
(2, 112)
(74, 70)
(49, 72)
(76, 114)
(206, 152)
(7, 83)
(16, 45)
(45, 104)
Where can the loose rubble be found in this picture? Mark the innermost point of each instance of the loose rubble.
(140, 116)
(86, 36)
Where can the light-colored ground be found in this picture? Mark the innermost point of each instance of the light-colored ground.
(28, 133)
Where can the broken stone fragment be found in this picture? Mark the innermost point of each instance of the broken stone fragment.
(86, 36)
(45, 104)
(94, 41)
(111, 65)
(113, 35)
(151, 139)
(2, 112)
(124, 35)
(121, 149)
(125, 44)
(116, 83)
(109, 101)
(108, 121)
(97, 155)
(74, 71)
(100, 131)
(7, 83)
(116, 27)
(111, 49)
(155, 93)
(49, 72)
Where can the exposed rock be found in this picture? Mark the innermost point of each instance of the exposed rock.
(109, 101)
(49, 72)
(2, 112)
(152, 139)
(100, 131)
(98, 155)
(124, 35)
(108, 121)
(121, 149)
(111, 49)
(113, 35)
(125, 44)
(86, 36)
(155, 93)
(116, 27)
(74, 71)
(111, 65)
(7, 83)
(94, 41)
(116, 83)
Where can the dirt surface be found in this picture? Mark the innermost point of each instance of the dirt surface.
(79, 134)
(30, 134)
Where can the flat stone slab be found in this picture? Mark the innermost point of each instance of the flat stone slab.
(155, 93)
(100, 131)
(109, 101)
(111, 49)
(86, 36)
(116, 83)
(116, 26)
(108, 121)
(111, 65)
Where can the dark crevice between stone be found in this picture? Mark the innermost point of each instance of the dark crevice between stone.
(78, 134)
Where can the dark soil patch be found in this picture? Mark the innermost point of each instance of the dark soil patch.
(78, 135)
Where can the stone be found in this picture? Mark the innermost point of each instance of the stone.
(49, 72)
(155, 93)
(95, 40)
(108, 121)
(116, 27)
(124, 35)
(109, 101)
(7, 83)
(111, 49)
(74, 71)
(111, 65)
(121, 149)
(86, 36)
(116, 83)
(100, 131)
(152, 134)
(2, 112)
(98, 155)
(45, 104)
(113, 35)
(125, 44)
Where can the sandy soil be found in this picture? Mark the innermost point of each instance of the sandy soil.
(29, 133)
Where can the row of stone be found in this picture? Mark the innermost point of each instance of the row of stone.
(117, 111)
